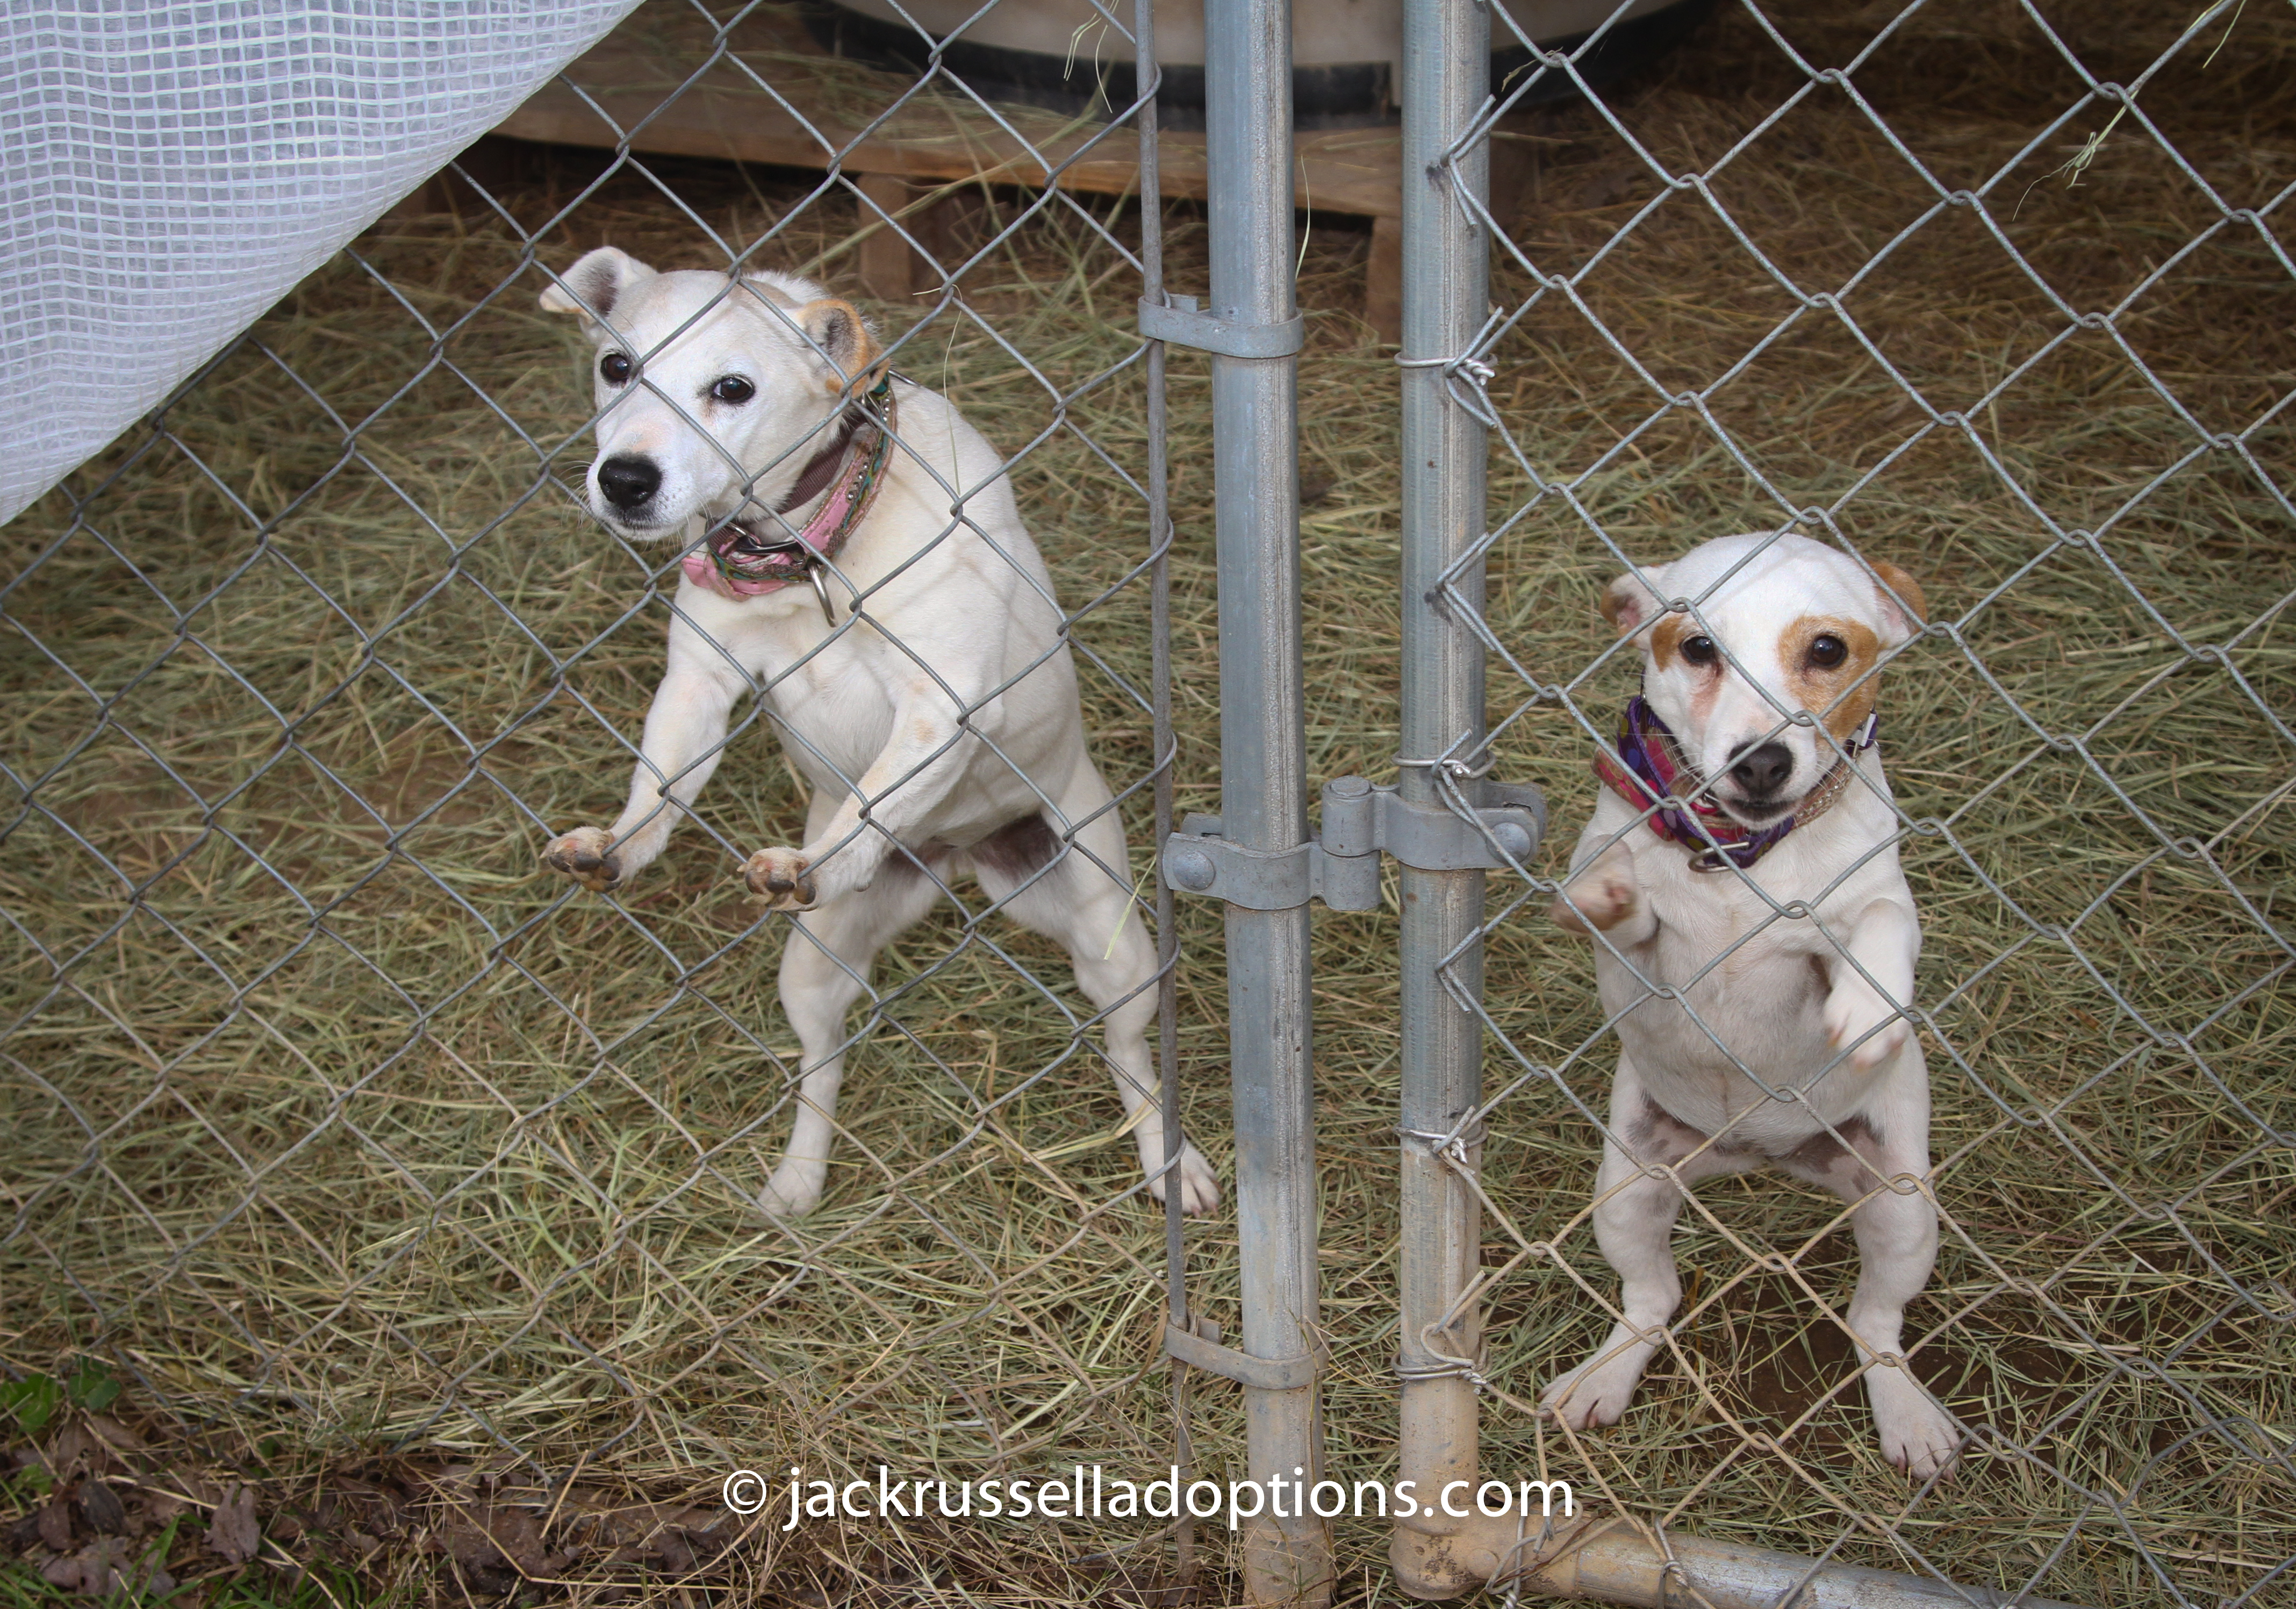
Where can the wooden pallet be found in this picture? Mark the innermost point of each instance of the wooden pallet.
(641, 85)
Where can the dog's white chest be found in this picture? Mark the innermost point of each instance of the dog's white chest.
(832, 696)
(831, 699)
(863, 716)
(1739, 1003)
(1727, 984)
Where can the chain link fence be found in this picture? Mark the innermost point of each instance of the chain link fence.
(340, 1122)
(342, 1118)
(2000, 297)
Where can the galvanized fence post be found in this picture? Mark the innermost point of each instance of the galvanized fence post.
(1253, 333)
(1445, 277)
(1158, 483)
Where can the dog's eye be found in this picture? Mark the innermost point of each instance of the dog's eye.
(1700, 650)
(1827, 651)
(615, 367)
(733, 390)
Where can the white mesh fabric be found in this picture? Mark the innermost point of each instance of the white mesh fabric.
(172, 169)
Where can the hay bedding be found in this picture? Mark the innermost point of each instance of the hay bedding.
(345, 1135)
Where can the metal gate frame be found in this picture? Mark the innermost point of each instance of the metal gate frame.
(1443, 764)
(1252, 330)
(1446, 822)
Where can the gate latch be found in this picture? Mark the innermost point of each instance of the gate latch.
(1362, 820)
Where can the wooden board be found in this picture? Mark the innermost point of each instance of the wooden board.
(775, 96)
(804, 109)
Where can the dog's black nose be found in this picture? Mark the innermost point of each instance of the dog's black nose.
(629, 483)
(1763, 772)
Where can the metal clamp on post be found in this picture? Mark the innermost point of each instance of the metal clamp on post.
(1509, 821)
(1197, 860)
(1201, 1349)
(1362, 820)
(1182, 325)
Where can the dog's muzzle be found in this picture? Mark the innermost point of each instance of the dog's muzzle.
(1760, 771)
(628, 482)
(1647, 772)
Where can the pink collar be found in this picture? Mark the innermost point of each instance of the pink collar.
(736, 561)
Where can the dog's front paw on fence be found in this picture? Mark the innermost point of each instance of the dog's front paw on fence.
(778, 877)
(1599, 899)
(586, 854)
(1857, 1015)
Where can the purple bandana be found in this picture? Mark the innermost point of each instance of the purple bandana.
(1646, 774)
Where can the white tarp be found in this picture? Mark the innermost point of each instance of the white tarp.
(171, 169)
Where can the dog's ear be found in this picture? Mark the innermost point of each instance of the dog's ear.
(1906, 612)
(836, 329)
(591, 287)
(1632, 602)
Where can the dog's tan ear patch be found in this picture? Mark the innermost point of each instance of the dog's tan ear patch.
(592, 286)
(1630, 603)
(843, 336)
(1910, 610)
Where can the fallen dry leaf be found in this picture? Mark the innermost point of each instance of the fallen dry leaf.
(103, 1507)
(233, 1531)
(104, 1568)
(73, 1444)
(56, 1525)
(113, 1434)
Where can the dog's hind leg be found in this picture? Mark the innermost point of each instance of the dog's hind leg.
(1635, 1209)
(1073, 896)
(825, 967)
(1896, 1225)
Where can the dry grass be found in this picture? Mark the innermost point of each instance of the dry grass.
(344, 1125)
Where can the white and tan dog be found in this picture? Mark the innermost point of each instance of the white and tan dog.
(936, 722)
(1795, 816)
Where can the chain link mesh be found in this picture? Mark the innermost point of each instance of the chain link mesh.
(333, 1113)
(331, 1110)
(2000, 295)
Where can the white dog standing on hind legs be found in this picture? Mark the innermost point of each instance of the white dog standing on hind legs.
(912, 658)
(1808, 1001)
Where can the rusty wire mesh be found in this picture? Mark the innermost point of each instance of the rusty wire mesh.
(2001, 294)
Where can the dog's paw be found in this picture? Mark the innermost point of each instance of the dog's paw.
(1200, 1190)
(1599, 899)
(778, 877)
(1918, 1435)
(794, 1190)
(1597, 1391)
(586, 854)
(1856, 1015)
